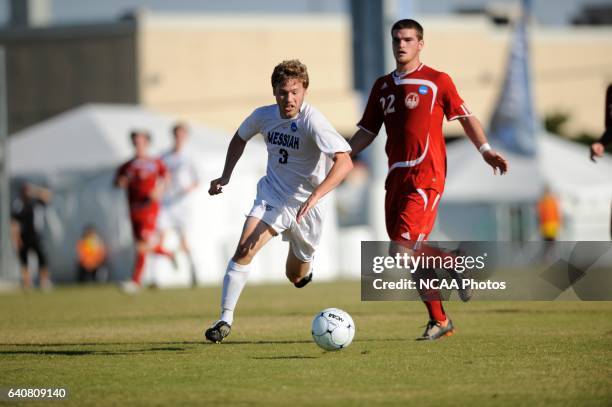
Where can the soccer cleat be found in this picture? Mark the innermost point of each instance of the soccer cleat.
(465, 292)
(305, 280)
(219, 331)
(130, 287)
(435, 330)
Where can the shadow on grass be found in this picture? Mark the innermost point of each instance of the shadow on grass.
(269, 342)
(202, 342)
(69, 352)
(144, 347)
(58, 344)
(283, 357)
(288, 342)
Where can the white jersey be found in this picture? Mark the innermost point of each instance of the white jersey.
(300, 150)
(183, 174)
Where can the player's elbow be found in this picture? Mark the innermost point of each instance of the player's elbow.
(343, 157)
(349, 161)
(344, 161)
(238, 141)
(349, 164)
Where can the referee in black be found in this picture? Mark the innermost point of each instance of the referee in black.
(27, 222)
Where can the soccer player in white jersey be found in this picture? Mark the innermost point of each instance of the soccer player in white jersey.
(307, 158)
(184, 179)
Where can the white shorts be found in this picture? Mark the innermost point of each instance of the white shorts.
(303, 237)
(174, 216)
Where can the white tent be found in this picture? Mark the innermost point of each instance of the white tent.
(77, 152)
(479, 205)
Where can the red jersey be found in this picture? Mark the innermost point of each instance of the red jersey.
(142, 175)
(412, 107)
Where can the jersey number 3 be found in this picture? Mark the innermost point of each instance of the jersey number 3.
(389, 102)
(284, 156)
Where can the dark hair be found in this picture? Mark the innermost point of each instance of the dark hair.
(177, 126)
(292, 69)
(408, 23)
(134, 133)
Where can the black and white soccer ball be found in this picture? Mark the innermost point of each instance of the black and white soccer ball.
(333, 329)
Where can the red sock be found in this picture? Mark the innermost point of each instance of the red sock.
(435, 310)
(139, 267)
(160, 250)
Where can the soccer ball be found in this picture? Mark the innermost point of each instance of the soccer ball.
(333, 329)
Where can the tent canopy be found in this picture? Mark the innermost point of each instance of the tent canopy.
(560, 164)
(96, 136)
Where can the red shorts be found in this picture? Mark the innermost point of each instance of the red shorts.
(410, 212)
(144, 221)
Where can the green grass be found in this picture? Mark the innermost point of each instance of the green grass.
(110, 349)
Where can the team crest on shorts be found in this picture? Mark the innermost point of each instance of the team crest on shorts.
(293, 126)
(412, 100)
(268, 207)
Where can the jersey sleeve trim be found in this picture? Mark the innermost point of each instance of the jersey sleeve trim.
(346, 149)
(459, 117)
(367, 131)
(465, 110)
(244, 138)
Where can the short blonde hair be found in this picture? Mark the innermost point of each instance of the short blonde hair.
(291, 69)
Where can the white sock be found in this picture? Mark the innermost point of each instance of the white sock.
(234, 281)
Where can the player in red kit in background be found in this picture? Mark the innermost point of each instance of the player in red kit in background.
(411, 102)
(144, 178)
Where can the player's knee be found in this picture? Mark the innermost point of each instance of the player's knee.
(244, 254)
(292, 275)
(293, 278)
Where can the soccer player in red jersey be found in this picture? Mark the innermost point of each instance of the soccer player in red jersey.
(144, 178)
(411, 102)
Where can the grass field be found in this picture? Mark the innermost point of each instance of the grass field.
(110, 349)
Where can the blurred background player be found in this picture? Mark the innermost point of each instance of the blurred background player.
(91, 256)
(145, 179)
(307, 158)
(26, 226)
(411, 102)
(184, 179)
